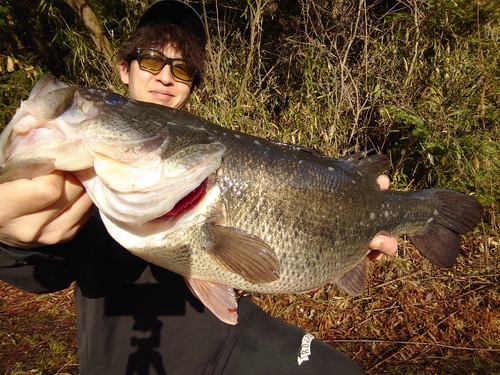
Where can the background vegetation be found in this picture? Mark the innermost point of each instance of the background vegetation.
(418, 80)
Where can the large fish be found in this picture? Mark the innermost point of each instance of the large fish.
(225, 209)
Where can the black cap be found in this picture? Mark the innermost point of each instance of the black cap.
(178, 13)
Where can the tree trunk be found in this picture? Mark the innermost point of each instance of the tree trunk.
(94, 26)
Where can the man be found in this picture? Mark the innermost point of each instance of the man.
(131, 315)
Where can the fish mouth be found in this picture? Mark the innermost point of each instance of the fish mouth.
(188, 202)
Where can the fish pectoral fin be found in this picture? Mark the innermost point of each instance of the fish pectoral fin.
(219, 299)
(243, 253)
(353, 282)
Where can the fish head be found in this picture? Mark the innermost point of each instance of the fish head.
(34, 141)
(148, 159)
(136, 160)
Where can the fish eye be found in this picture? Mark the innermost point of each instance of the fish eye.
(115, 99)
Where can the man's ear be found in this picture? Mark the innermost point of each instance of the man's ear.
(124, 72)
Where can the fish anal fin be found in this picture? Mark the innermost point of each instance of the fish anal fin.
(243, 253)
(353, 282)
(219, 299)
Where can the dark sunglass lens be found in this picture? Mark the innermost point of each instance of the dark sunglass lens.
(154, 61)
(151, 60)
(181, 71)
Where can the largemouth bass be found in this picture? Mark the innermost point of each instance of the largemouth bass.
(224, 209)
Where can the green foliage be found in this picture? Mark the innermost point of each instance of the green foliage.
(419, 81)
(17, 77)
(446, 121)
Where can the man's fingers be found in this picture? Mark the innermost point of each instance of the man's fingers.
(72, 190)
(26, 196)
(375, 255)
(46, 210)
(64, 226)
(383, 182)
(382, 245)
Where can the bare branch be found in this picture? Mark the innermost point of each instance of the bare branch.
(93, 24)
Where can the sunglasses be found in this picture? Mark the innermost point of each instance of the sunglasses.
(153, 61)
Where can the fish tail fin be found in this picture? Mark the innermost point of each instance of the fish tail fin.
(455, 214)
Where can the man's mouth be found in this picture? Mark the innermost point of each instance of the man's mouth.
(162, 93)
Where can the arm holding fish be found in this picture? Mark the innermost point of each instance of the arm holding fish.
(46, 210)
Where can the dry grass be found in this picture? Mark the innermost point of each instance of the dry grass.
(413, 319)
(37, 332)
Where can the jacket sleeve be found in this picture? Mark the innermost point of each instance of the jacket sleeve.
(48, 268)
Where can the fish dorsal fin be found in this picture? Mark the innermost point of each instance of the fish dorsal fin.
(219, 299)
(243, 253)
(373, 165)
(353, 282)
(299, 148)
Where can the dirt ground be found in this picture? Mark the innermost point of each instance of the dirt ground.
(37, 332)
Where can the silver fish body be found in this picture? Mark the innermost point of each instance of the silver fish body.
(258, 216)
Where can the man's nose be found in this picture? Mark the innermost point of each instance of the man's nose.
(165, 75)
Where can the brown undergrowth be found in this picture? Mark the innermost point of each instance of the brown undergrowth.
(413, 318)
(37, 332)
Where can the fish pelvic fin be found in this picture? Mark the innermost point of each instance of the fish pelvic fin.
(353, 282)
(219, 299)
(456, 213)
(243, 253)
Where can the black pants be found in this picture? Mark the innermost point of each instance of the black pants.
(263, 345)
(134, 318)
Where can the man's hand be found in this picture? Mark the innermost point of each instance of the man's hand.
(42, 211)
(382, 244)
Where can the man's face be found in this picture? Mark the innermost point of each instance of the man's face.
(161, 88)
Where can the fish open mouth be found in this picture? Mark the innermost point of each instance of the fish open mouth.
(189, 201)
